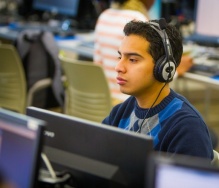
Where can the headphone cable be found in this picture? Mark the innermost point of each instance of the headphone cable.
(169, 76)
(151, 107)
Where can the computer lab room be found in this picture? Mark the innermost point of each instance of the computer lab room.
(109, 93)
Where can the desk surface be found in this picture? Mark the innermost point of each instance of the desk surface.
(74, 44)
(8, 34)
(78, 45)
(202, 79)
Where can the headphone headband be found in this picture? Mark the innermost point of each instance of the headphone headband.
(165, 66)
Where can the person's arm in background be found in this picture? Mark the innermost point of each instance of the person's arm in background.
(184, 66)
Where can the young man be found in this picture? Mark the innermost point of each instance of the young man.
(108, 35)
(148, 57)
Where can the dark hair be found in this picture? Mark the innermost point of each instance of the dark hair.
(144, 30)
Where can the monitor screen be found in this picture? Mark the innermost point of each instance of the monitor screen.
(20, 147)
(96, 155)
(59, 7)
(206, 27)
(181, 171)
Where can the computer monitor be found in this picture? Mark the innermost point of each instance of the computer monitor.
(206, 27)
(60, 7)
(96, 155)
(181, 171)
(24, 8)
(20, 148)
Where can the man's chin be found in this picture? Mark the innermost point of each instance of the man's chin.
(125, 92)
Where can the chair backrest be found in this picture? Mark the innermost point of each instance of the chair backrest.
(87, 94)
(12, 80)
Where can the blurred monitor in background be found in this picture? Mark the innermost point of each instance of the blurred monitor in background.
(206, 23)
(82, 13)
(182, 9)
(65, 8)
(25, 8)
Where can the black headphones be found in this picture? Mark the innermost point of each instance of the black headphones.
(165, 66)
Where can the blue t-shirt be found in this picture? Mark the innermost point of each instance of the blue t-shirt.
(175, 125)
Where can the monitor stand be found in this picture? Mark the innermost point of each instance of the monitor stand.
(49, 178)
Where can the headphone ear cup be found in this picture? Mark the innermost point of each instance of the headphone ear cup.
(163, 70)
(158, 69)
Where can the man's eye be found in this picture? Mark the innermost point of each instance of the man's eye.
(119, 57)
(133, 60)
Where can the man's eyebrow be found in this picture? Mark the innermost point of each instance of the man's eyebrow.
(130, 54)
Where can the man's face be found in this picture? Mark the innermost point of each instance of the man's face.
(135, 67)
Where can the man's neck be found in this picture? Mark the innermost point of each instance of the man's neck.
(153, 98)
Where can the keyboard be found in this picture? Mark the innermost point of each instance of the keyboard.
(206, 61)
(206, 68)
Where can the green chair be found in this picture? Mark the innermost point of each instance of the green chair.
(12, 80)
(13, 92)
(87, 92)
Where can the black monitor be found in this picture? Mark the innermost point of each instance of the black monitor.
(60, 7)
(206, 27)
(20, 148)
(96, 155)
(181, 171)
(24, 8)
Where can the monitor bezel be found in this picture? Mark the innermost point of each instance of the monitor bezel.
(25, 123)
(177, 160)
